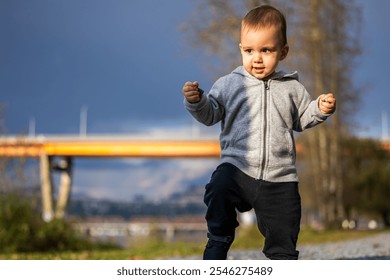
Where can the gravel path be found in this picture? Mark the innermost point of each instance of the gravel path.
(371, 248)
(375, 247)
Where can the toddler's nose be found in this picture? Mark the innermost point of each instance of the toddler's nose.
(258, 57)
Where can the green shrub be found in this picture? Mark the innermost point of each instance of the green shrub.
(18, 223)
(23, 230)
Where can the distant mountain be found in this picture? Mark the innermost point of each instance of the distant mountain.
(193, 194)
(187, 202)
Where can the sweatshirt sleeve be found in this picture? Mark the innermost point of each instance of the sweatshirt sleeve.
(209, 109)
(309, 114)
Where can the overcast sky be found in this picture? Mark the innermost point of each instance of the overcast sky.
(125, 62)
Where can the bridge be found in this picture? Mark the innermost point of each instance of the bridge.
(55, 154)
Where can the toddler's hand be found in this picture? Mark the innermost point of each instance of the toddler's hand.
(192, 92)
(327, 103)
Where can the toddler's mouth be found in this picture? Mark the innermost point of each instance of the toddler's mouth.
(258, 69)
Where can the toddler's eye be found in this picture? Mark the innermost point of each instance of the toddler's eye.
(266, 50)
(248, 51)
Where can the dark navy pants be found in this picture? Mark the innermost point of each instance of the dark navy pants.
(277, 207)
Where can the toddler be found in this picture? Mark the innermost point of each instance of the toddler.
(258, 108)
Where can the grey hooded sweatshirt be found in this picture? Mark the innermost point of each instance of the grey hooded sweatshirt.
(258, 118)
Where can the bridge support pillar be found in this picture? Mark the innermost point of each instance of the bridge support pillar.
(51, 210)
(65, 167)
(46, 187)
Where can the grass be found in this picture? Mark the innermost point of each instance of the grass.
(155, 248)
(309, 236)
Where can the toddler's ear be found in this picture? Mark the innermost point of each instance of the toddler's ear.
(285, 50)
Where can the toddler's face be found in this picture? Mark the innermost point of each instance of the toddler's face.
(262, 50)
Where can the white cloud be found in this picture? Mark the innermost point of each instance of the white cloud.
(154, 179)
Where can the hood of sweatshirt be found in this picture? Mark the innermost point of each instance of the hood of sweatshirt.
(278, 75)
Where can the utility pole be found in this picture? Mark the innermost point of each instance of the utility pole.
(31, 128)
(83, 121)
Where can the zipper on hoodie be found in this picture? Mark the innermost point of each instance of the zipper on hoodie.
(265, 134)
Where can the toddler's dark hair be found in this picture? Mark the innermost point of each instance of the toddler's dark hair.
(265, 16)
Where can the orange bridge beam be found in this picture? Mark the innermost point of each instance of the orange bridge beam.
(131, 148)
(74, 147)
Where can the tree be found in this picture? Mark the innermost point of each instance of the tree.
(324, 41)
(16, 173)
(330, 47)
(367, 178)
